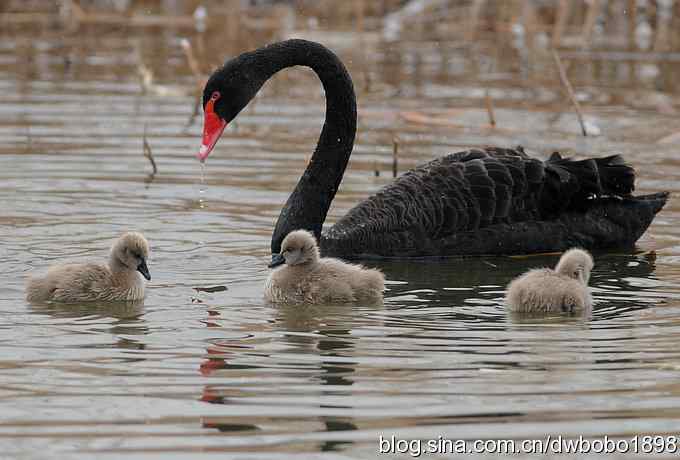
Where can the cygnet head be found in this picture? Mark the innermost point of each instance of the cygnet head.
(577, 264)
(298, 247)
(131, 251)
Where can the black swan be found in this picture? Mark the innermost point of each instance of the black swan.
(476, 202)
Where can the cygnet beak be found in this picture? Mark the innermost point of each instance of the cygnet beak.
(277, 259)
(144, 270)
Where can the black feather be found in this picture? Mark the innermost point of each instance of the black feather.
(616, 176)
(467, 202)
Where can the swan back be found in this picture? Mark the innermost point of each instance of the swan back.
(497, 201)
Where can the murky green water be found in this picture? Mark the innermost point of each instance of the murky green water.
(191, 374)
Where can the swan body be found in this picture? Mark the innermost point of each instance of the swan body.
(481, 201)
(544, 290)
(306, 278)
(119, 280)
(497, 201)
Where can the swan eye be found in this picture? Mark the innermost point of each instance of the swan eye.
(215, 96)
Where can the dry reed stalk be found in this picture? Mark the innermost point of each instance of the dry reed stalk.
(631, 13)
(360, 15)
(428, 120)
(592, 13)
(196, 110)
(530, 27)
(211, 289)
(395, 156)
(562, 16)
(198, 76)
(475, 11)
(148, 154)
(662, 40)
(191, 60)
(570, 90)
(489, 109)
(233, 24)
(674, 41)
(144, 73)
(145, 76)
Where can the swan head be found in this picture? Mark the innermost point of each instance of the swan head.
(227, 92)
(132, 251)
(298, 247)
(576, 263)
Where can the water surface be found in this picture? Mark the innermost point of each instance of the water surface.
(194, 374)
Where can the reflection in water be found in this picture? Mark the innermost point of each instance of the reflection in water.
(124, 310)
(127, 324)
(461, 281)
(304, 330)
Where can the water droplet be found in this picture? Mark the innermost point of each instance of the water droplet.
(201, 190)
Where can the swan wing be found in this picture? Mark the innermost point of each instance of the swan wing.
(78, 282)
(472, 198)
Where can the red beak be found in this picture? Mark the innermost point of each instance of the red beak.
(213, 126)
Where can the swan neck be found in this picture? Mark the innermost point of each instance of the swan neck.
(308, 205)
(115, 264)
